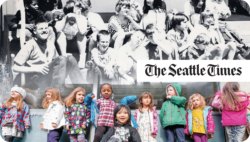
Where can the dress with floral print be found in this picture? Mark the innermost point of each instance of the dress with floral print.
(145, 128)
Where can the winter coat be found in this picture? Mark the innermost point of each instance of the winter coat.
(54, 114)
(208, 121)
(233, 117)
(172, 110)
(20, 118)
(153, 119)
(76, 116)
(123, 133)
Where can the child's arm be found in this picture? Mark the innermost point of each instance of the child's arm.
(109, 134)
(81, 22)
(85, 123)
(155, 122)
(88, 100)
(14, 23)
(26, 116)
(179, 101)
(135, 25)
(162, 112)
(67, 115)
(2, 110)
(217, 102)
(135, 136)
(186, 131)
(210, 123)
(58, 113)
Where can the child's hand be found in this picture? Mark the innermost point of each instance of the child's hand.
(1, 104)
(210, 135)
(54, 125)
(29, 26)
(41, 125)
(153, 135)
(84, 127)
(67, 127)
(27, 127)
(168, 97)
(92, 96)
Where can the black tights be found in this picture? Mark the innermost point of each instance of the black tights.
(100, 131)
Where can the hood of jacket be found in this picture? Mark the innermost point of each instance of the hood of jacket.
(177, 88)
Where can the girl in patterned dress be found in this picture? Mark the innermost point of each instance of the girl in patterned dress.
(106, 106)
(200, 123)
(146, 117)
(53, 118)
(77, 115)
(14, 115)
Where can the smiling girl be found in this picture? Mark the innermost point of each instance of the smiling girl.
(53, 118)
(77, 115)
(122, 131)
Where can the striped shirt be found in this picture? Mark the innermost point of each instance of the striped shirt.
(106, 116)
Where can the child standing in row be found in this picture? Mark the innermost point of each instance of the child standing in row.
(146, 117)
(122, 130)
(14, 117)
(53, 118)
(200, 123)
(106, 116)
(77, 115)
(233, 103)
(173, 115)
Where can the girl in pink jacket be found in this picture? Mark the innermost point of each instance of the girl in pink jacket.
(233, 103)
(200, 122)
(146, 117)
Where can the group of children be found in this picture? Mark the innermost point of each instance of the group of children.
(115, 120)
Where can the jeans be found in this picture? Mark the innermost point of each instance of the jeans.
(175, 130)
(235, 133)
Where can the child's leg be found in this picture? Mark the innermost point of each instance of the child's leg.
(81, 43)
(230, 50)
(81, 138)
(118, 37)
(200, 137)
(73, 138)
(169, 132)
(62, 42)
(204, 138)
(100, 131)
(8, 138)
(235, 133)
(55, 135)
(179, 131)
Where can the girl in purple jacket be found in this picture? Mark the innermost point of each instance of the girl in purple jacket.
(146, 117)
(200, 122)
(233, 103)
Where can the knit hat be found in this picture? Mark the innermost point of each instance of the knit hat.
(19, 90)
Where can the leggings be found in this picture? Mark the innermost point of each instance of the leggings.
(100, 131)
(77, 138)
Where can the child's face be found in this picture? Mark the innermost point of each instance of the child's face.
(201, 46)
(146, 101)
(196, 102)
(183, 25)
(171, 91)
(103, 44)
(122, 116)
(34, 5)
(106, 91)
(209, 20)
(15, 94)
(42, 31)
(137, 38)
(48, 96)
(80, 97)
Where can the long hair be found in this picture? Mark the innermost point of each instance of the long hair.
(55, 96)
(201, 98)
(118, 108)
(156, 4)
(71, 99)
(228, 97)
(19, 102)
(195, 3)
(146, 95)
(118, 6)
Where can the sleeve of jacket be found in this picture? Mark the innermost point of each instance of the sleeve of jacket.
(109, 134)
(186, 131)
(15, 21)
(67, 115)
(135, 125)
(210, 123)
(58, 113)
(87, 116)
(217, 102)
(88, 100)
(179, 101)
(2, 110)
(136, 111)
(162, 112)
(26, 115)
(155, 121)
(135, 137)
